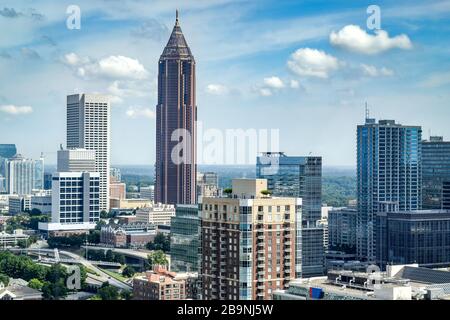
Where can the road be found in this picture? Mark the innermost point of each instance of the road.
(102, 275)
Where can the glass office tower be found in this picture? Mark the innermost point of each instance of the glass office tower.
(301, 177)
(388, 172)
(7, 151)
(435, 171)
(185, 239)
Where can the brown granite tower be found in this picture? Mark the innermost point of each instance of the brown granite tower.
(176, 116)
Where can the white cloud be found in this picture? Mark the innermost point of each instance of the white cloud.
(436, 80)
(274, 82)
(372, 71)
(265, 92)
(313, 63)
(217, 89)
(16, 110)
(294, 84)
(353, 38)
(113, 67)
(139, 112)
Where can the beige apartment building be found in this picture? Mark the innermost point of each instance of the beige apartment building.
(251, 242)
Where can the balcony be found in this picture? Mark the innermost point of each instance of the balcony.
(261, 273)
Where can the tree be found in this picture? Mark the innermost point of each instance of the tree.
(35, 212)
(54, 290)
(126, 295)
(100, 224)
(108, 292)
(35, 284)
(128, 271)
(228, 191)
(94, 236)
(160, 242)
(266, 192)
(158, 258)
(109, 256)
(4, 279)
(22, 243)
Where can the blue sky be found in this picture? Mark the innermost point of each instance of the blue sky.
(303, 67)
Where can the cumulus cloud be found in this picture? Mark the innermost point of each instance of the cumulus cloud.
(372, 71)
(217, 89)
(312, 63)
(294, 84)
(114, 67)
(139, 112)
(353, 38)
(15, 110)
(274, 82)
(265, 92)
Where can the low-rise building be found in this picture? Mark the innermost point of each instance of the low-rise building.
(399, 282)
(116, 203)
(156, 214)
(42, 202)
(18, 291)
(161, 284)
(18, 204)
(417, 236)
(133, 235)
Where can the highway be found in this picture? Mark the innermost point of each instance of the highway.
(102, 275)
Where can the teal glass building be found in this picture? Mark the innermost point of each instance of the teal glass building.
(185, 239)
(388, 176)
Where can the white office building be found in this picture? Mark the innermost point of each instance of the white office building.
(23, 175)
(156, 214)
(42, 202)
(147, 192)
(76, 160)
(75, 201)
(88, 127)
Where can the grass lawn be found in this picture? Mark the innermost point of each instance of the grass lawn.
(115, 275)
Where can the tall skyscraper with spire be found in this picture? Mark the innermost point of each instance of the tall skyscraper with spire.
(176, 116)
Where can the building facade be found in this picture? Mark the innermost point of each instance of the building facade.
(147, 193)
(388, 172)
(435, 171)
(24, 175)
(156, 214)
(208, 184)
(176, 116)
(132, 235)
(415, 236)
(7, 151)
(250, 243)
(185, 239)
(76, 160)
(18, 204)
(75, 201)
(88, 127)
(160, 284)
(301, 177)
(342, 230)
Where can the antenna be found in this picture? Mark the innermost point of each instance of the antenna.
(367, 111)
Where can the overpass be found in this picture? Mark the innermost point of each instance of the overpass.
(74, 258)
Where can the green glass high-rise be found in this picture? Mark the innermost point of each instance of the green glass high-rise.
(388, 176)
(185, 239)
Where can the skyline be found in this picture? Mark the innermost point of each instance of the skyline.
(287, 59)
